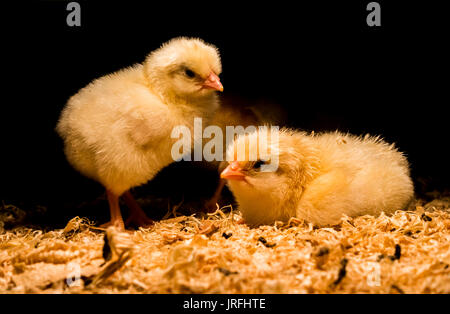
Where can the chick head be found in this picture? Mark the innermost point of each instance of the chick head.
(185, 67)
(267, 169)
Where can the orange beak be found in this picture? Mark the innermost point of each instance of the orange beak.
(213, 82)
(233, 172)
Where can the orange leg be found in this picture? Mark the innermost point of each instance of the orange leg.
(211, 203)
(137, 215)
(116, 216)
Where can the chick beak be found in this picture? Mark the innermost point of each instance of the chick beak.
(213, 82)
(233, 172)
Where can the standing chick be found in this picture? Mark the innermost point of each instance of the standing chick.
(117, 130)
(319, 178)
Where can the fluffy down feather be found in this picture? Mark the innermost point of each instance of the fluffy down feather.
(319, 178)
(117, 130)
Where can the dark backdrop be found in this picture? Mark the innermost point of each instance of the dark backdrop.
(317, 59)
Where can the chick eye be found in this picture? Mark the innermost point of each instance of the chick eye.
(258, 164)
(189, 73)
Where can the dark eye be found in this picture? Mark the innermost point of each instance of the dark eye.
(258, 164)
(189, 73)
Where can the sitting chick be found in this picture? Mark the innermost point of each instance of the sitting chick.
(117, 130)
(319, 177)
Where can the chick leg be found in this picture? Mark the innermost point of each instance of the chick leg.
(116, 216)
(137, 215)
(211, 203)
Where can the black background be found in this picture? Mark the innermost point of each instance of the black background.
(274, 303)
(317, 59)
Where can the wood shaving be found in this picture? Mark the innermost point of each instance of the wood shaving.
(408, 252)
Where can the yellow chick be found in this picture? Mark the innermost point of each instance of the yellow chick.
(317, 177)
(117, 130)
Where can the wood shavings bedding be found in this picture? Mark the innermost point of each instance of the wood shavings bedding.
(408, 252)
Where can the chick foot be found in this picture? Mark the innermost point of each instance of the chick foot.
(116, 216)
(137, 216)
